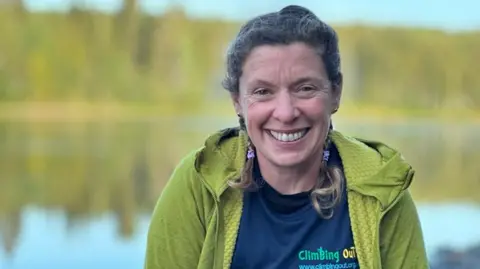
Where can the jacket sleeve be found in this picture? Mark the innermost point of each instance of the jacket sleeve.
(401, 237)
(177, 228)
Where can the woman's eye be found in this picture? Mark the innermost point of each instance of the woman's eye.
(261, 91)
(307, 88)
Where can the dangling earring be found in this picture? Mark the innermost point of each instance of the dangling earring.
(326, 155)
(326, 146)
(250, 152)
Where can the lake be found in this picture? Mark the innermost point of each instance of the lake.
(79, 194)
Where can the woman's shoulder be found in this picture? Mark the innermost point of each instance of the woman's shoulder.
(220, 158)
(373, 167)
(367, 153)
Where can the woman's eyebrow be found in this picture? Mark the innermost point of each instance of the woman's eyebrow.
(316, 80)
(261, 82)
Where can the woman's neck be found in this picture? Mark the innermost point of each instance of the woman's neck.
(290, 180)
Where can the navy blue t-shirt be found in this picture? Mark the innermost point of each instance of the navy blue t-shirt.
(284, 231)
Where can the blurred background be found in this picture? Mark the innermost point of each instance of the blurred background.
(100, 99)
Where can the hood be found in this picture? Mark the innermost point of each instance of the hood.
(370, 167)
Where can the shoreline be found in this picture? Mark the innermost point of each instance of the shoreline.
(101, 111)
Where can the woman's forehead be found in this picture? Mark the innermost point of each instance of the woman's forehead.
(295, 62)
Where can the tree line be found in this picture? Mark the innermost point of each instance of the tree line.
(131, 57)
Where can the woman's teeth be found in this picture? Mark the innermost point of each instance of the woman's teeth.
(288, 137)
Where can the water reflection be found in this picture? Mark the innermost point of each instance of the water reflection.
(450, 225)
(48, 241)
(80, 194)
(445, 155)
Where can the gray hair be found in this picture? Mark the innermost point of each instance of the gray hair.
(290, 24)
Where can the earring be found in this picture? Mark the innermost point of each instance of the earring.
(326, 146)
(250, 152)
(326, 155)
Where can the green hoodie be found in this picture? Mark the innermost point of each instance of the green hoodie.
(196, 219)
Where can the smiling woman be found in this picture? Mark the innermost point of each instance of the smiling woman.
(284, 104)
(285, 189)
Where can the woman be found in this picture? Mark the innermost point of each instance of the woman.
(286, 190)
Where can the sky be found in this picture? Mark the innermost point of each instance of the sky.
(448, 15)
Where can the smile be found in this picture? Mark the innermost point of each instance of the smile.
(289, 136)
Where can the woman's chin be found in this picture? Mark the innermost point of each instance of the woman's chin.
(287, 158)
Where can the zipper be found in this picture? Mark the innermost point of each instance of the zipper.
(216, 198)
(217, 205)
(410, 174)
(222, 190)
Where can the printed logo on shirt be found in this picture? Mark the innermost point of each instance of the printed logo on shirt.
(322, 258)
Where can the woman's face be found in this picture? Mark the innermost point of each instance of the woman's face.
(286, 100)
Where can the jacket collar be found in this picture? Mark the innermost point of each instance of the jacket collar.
(371, 168)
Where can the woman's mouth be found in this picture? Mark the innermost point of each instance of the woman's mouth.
(289, 136)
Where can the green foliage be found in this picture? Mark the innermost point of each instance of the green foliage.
(134, 58)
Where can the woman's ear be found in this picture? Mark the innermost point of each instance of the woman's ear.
(236, 103)
(337, 95)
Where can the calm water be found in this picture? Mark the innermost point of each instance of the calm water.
(79, 195)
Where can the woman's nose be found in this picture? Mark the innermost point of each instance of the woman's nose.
(285, 109)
